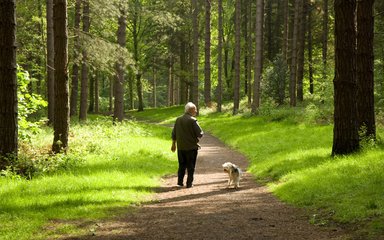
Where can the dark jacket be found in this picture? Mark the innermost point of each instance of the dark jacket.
(186, 132)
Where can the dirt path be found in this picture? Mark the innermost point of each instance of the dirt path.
(211, 211)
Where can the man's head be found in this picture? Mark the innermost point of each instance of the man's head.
(190, 108)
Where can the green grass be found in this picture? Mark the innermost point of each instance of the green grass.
(121, 165)
(291, 152)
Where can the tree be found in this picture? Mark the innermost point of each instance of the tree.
(84, 66)
(75, 67)
(293, 66)
(50, 62)
(310, 47)
(207, 64)
(325, 45)
(61, 120)
(118, 85)
(300, 53)
(258, 54)
(236, 95)
(8, 82)
(364, 68)
(345, 131)
(220, 56)
(195, 34)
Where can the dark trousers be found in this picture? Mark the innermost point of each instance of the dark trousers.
(187, 161)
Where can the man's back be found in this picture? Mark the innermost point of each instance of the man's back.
(186, 132)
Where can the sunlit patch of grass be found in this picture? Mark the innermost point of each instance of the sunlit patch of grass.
(121, 165)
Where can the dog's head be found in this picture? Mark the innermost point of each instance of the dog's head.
(228, 166)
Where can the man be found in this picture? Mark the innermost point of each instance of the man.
(186, 133)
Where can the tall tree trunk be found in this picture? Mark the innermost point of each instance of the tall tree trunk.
(345, 131)
(364, 67)
(50, 62)
(310, 48)
(207, 63)
(154, 85)
(300, 52)
(8, 82)
(170, 82)
(286, 30)
(183, 68)
(324, 48)
(293, 66)
(268, 28)
(120, 69)
(220, 57)
(84, 67)
(91, 107)
(61, 120)
(195, 26)
(97, 76)
(249, 53)
(258, 54)
(75, 67)
(236, 94)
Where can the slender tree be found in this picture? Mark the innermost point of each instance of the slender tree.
(364, 68)
(293, 66)
(324, 47)
(345, 131)
(258, 54)
(84, 67)
(220, 56)
(236, 95)
(195, 26)
(300, 52)
(8, 82)
(50, 62)
(75, 67)
(119, 80)
(207, 50)
(310, 47)
(61, 120)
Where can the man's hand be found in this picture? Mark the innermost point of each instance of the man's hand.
(173, 148)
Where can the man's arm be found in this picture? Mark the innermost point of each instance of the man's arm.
(173, 147)
(198, 131)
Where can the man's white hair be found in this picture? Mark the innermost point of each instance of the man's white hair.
(189, 106)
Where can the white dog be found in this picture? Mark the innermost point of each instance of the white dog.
(234, 173)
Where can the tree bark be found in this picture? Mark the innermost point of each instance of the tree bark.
(207, 63)
(258, 54)
(119, 79)
(310, 48)
(97, 76)
(84, 67)
(324, 48)
(50, 62)
(61, 120)
(75, 67)
(220, 57)
(300, 52)
(364, 64)
(293, 66)
(236, 94)
(8, 82)
(345, 131)
(195, 26)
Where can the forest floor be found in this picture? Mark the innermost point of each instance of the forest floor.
(210, 210)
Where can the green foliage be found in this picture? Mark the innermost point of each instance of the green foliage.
(276, 77)
(28, 104)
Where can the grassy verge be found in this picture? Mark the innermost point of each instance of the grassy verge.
(290, 152)
(119, 166)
